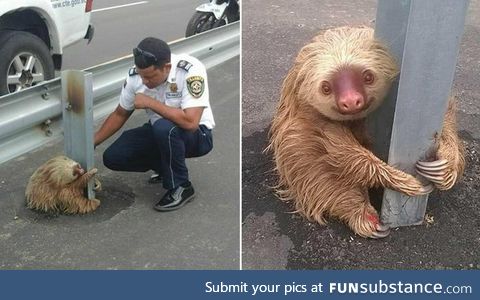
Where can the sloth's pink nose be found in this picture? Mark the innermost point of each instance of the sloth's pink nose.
(350, 102)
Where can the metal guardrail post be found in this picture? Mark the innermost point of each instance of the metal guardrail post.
(77, 111)
(424, 36)
(31, 117)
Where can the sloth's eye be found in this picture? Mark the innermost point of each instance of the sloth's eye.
(326, 89)
(368, 77)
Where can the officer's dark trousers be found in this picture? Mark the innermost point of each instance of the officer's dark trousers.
(161, 147)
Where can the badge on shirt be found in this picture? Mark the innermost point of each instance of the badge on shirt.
(195, 86)
(173, 87)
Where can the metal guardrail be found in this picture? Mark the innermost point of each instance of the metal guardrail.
(32, 117)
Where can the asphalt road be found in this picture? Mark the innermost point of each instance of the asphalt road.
(119, 30)
(125, 232)
(274, 238)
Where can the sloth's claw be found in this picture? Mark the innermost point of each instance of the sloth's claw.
(432, 166)
(434, 179)
(426, 189)
(432, 173)
(93, 171)
(97, 185)
(381, 227)
(435, 171)
(380, 234)
(382, 231)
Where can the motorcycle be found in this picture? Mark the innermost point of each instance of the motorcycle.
(211, 15)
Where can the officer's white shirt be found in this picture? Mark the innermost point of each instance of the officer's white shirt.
(174, 92)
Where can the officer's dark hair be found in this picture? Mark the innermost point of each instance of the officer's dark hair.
(151, 52)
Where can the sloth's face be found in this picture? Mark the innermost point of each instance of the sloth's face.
(77, 170)
(71, 170)
(345, 73)
(350, 93)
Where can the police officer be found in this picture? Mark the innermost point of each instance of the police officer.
(173, 90)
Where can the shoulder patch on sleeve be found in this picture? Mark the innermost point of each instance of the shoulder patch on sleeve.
(183, 64)
(196, 86)
(132, 71)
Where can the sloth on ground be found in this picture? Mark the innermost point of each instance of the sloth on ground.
(58, 186)
(319, 140)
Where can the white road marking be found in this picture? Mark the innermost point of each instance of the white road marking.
(119, 6)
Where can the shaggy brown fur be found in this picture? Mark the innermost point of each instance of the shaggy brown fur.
(321, 153)
(58, 185)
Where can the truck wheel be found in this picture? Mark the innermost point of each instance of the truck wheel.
(25, 61)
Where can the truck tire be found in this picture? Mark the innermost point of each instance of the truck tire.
(25, 61)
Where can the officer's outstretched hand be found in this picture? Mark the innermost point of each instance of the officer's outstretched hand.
(142, 101)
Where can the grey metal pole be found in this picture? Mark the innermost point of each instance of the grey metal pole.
(424, 36)
(77, 111)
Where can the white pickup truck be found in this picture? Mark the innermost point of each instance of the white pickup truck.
(33, 34)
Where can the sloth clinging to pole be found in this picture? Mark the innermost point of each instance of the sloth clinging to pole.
(319, 140)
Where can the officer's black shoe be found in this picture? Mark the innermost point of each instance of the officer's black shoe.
(176, 198)
(155, 178)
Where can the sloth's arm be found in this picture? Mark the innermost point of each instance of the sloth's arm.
(357, 165)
